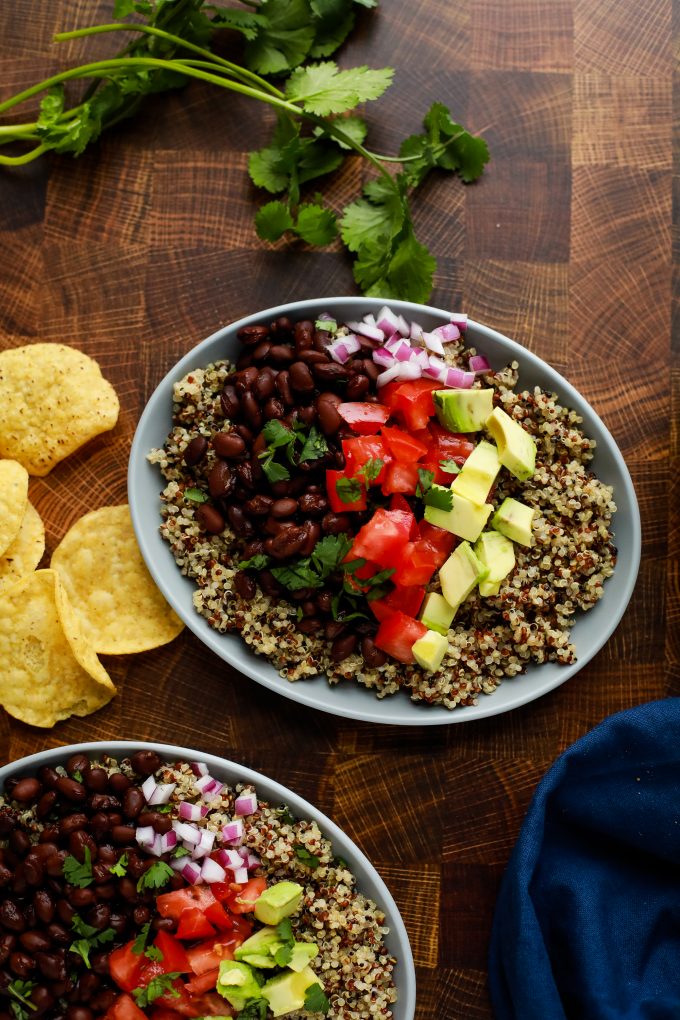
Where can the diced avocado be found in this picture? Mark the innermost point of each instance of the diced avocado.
(436, 613)
(516, 448)
(303, 954)
(465, 518)
(237, 983)
(430, 649)
(497, 553)
(277, 902)
(478, 473)
(463, 410)
(286, 992)
(260, 948)
(514, 519)
(461, 572)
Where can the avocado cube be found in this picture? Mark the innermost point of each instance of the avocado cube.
(260, 948)
(461, 572)
(463, 410)
(303, 954)
(514, 519)
(497, 553)
(478, 473)
(237, 983)
(277, 902)
(465, 518)
(286, 992)
(436, 613)
(516, 448)
(429, 650)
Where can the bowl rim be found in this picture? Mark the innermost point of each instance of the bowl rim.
(302, 691)
(301, 806)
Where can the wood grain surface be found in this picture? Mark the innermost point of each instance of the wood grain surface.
(570, 244)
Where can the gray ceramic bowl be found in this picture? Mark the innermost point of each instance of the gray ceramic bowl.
(590, 632)
(369, 881)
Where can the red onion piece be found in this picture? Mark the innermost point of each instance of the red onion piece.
(148, 788)
(191, 872)
(199, 768)
(383, 358)
(232, 832)
(145, 834)
(404, 352)
(388, 375)
(192, 812)
(460, 320)
(241, 876)
(168, 841)
(211, 871)
(458, 379)
(246, 804)
(367, 329)
(447, 333)
(229, 858)
(162, 794)
(177, 863)
(156, 848)
(343, 348)
(478, 363)
(187, 832)
(433, 343)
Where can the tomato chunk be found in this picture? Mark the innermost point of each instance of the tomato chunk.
(364, 418)
(403, 446)
(218, 916)
(406, 600)
(441, 541)
(382, 538)
(359, 451)
(203, 982)
(337, 503)
(450, 445)
(174, 955)
(207, 955)
(244, 900)
(193, 924)
(412, 401)
(125, 1008)
(172, 904)
(417, 564)
(397, 634)
(400, 477)
(125, 967)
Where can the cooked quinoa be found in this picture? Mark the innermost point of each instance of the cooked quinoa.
(492, 638)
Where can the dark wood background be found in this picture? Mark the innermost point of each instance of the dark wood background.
(145, 245)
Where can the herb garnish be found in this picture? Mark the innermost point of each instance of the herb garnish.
(285, 815)
(257, 562)
(153, 953)
(76, 873)
(316, 1000)
(90, 938)
(78, 776)
(139, 944)
(425, 480)
(305, 857)
(439, 497)
(284, 954)
(120, 867)
(278, 437)
(157, 986)
(195, 495)
(157, 876)
(312, 571)
(256, 1009)
(349, 489)
(20, 991)
(180, 851)
(314, 447)
(312, 137)
(450, 467)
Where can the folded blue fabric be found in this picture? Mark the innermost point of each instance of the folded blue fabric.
(587, 923)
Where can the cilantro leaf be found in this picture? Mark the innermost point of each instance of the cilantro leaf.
(446, 145)
(329, 552)
(323, 88)
(275, 472)
(371, 469)
(316, 1000)
(153, 953)
(246, 22)
(316, 224)
(285, 815)
(20, 991)
(257, 562)
(90, 938)
(267, 168)
(425, 480)
(439, 497)
(272, 221)
(296, 576)
(76, 873)
(331, 32)
(255, 1009)
(181, 851)
(450, 467)
(284, 953)
(380, 214)
(139, 945)
(277, 435)
(51, 107)
(348, 489)
(354, 126)
(157, 986)
(196, 495)
(305, 857)
(284, 41)
(120, 867)
(157, 876)
(314, 446)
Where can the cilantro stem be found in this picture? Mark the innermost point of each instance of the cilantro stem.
(27, 157)
(241, 73)
(437, 150)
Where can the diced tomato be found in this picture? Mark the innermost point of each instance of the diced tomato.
(124, 1008)
(403, 446)
(450, 445)
(405, 600)
(364, 418)
(161, 1013)
(397, 634)
(417, 564)
(382, 538)
(178, 999)
(222, 891)
(218, 917)
(400, 477)
(412, 401)
(398, 502)
(203, 982)
(193, 924)
(125, 967)
(362, 449)
(380, 609)
(174, 954)
(208, 1004)
(207, 955)
(338, 505)
(439, 476)
(172, 904)
(244, 900)
(440, 540)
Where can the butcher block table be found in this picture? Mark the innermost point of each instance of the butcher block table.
(145, 245)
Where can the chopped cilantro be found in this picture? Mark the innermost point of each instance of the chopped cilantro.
(314, 447)
(274, 472)
(256, 1009)
(348, 489)
(153, 953)
(78, 776)
(330, 325)
(180, 851)
(139, 945)
(305, 857)
(371, 469)
(157, 876)
(297, 576)
(20, 991)
(316, 1000)
(195, 495)
(425, 480)
(157, 986)
(284, 954)
(90, 938)
(163, 809)
(329, 552)
(257, 562)
(76, 873)
(439, 497)
(120, 867)
(450, 467)
(285, 816)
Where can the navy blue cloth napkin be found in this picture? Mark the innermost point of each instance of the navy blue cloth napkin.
(587, 923)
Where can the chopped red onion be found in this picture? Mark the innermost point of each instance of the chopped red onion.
(192, 812)
(460, 320)
(232, 832)
(367, 329)
(162, 794)
(343, 348)
(241, 876)
(388, 375)
(148, 788)
(421, 358)
(191, 872)
(389, 322)
(252, 861)
(199, 768)
(145, 834)
(229, 859)
(457, 379)
(393, 342)
(156, 848)
(383, 357)
(408, 370)
(416, 332)
(168, 841)
(478, 363)
(404, 352)
(246, 804)
(177, 863)
(187, 832)
(433, 343)
(447, 333)
(211, 871)
(208, 787)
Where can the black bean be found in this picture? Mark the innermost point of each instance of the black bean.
(5, 875)
(284, 507)
(228, 445)
(48, 777)
(122, 834)
(105, 801)
(99, 916)
(251, 410)
(283, 388)
(238, 520)
(159, 822)
(309, 625)
(195, 451)
(370, 369)
(71, 789)
(145, 762)
(43, 904)
(71, 823)
(59, 934)
(312, 532)
(244, 585)
(96, 780)
(34, 870)
(373, 656)
(7, 944)
(229, 401)
(333, 628)
(253, 548)
(250, 335)
(26, 790)
(52, 965)
(42, 998)
(327, 411)
(282, 326)
(210, 519)
(335, 524)
(281, 354)
(21, 964)
(300, 377)
(19, 842)
(54, 865)
(357, 387)
(34, 941)
(263, 387)
(314, 357)
(324, 601)
(12, 916)
(261, 352)
(46, 804)
(133, 802)
(119, 783)
(312, 503)
(257, 506)
(303, 334)
(141, 915)
(244, 380)
(274, 409)
(286, 543)
(247, 474)
(343, 646)
(80, 898)
(220, 480)
(330, 372)
(7, 822)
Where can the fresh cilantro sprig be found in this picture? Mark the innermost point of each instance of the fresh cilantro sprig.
(349, 490)
(316, 127)
(280, 438)
(284, 954)
(316, 1000)
(439, 497)
(20, 992)
(425, 480)
(90, 938)
(257, 562)
(314, 570)
(120, 867)
(157, 986)
(450, 466)
(158, 875)
(305, 857)
(139, 945)
(76, 873)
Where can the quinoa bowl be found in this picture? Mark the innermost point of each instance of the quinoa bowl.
(560, 412)
(359, 952)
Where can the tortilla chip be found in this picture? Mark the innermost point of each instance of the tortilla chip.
(13, 501)
(118, 604)
(25, 552)
(53, 399)
(47, 672)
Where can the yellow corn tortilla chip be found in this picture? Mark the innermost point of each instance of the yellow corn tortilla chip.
(13, 500)
(47, 670)
(25, 552)
(53, 399)
(118, 604)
